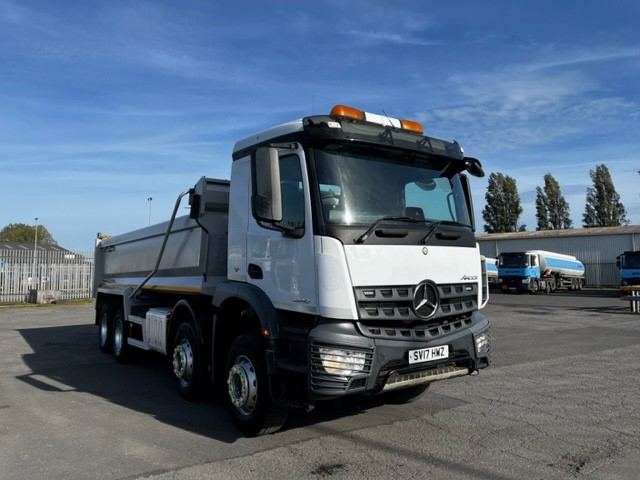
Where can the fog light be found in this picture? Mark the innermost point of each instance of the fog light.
(341, 362)
(483, 343)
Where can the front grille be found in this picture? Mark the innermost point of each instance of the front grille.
(396, 303)
(417, 332)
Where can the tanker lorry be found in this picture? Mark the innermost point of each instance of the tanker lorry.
(492, 272)
(629, 265)
(536, 270)
(338, 260)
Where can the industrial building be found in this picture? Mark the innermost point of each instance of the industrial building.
(596, 248)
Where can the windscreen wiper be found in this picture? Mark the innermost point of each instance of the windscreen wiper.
(434, 227)
(390, 218)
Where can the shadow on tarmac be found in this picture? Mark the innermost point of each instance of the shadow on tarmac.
(67, 358)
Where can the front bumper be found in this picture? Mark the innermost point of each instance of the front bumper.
(516, 284)
(379, 357)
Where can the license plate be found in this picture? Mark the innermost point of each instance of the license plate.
(428, 354)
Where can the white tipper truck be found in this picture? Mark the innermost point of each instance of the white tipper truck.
(340, 259)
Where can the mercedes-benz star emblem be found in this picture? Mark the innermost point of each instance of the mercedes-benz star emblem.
(426, 300)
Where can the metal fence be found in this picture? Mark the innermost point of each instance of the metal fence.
(66, 275)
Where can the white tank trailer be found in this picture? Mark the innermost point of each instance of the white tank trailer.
(535, 270)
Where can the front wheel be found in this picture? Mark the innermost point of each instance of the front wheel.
(248, 394)
(188, 363)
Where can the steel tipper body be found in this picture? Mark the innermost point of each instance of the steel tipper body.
(629, 265)
(340, 259)
(536, 270)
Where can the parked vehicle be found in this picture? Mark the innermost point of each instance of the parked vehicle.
(536, 270)
(629, 265)
(340, 259)
(492, 272)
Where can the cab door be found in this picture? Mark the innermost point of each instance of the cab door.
(280, 255)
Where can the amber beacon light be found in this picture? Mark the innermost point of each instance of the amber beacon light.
(354, 113)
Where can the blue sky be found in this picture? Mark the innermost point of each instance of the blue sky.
(104, 104)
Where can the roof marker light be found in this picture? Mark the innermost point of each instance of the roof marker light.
(411, 125)
(354, 113)
(346, 111)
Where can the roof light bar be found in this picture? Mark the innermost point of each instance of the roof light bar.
(354, 113)
(346, 111)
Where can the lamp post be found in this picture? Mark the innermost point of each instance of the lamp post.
(35, 256)
(149, 200)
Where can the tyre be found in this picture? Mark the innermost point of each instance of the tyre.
(248, 395)
(105, 329)
(406, 395)
(547, 287)
(534, 288)
(188, 363)
(119, 337)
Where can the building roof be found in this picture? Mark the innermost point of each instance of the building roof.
(17, 246)
(567, 232)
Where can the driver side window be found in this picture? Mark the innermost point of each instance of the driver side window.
(292, 191)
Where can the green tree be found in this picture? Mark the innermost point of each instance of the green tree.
(603, 207)
(502, 208)
(552, 210)
(23, 233)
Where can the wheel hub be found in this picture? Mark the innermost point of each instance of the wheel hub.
(183, 361)
(117, 337)
(104, 330)
(243, 385)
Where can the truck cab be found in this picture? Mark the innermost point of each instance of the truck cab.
(629, 265)
(518, 272)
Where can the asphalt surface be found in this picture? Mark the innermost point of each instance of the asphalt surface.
(561, 400)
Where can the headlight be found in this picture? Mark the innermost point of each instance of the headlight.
(483, 343)
(525, 280)
(341, 362)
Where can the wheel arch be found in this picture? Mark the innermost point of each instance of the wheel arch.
(113, 298)
(240, 309)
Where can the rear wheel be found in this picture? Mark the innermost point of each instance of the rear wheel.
(406, 395)
(248, 395)
(121, 349)
(105, 327)
(188, 363)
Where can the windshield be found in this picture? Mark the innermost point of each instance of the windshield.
(358, 186)
(513, 260)
(630, 260)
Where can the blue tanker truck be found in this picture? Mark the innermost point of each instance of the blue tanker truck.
(539, 270)
(629, 265)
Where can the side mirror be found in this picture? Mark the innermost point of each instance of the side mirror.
(618, 261)
(267, 198)
(473, 166)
